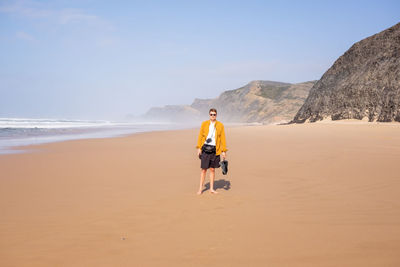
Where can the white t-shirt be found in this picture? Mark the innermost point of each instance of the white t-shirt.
(212, 132)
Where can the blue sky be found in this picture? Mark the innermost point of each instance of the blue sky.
(104, 59)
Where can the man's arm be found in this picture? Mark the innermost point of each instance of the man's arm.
(199, 140)
(223, 142)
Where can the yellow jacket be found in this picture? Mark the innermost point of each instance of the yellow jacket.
(220, 141)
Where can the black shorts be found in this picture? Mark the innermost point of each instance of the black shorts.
(209, 160)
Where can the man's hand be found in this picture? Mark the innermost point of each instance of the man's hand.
(198, 152)
(223, 154)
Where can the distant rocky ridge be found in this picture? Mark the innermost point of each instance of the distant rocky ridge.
(364, 83)
(172, 113)
(258, 101)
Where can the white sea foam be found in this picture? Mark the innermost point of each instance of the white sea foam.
(26, 131)
(27, 123)
(48, 123)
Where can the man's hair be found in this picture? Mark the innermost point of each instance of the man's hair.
(212, 109)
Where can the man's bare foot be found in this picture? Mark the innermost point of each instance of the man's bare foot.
(213, 192)
(199, 192)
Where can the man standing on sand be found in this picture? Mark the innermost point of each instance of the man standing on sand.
(210, 145)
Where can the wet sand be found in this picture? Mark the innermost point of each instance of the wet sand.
(295, 195)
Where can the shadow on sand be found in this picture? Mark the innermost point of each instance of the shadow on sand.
(218, 184)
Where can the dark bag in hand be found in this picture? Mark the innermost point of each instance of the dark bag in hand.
(224, 166)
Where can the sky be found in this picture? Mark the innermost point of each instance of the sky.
(86, 59)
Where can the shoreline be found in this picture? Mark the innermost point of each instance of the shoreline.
(95, 133)
(12, 145)
(32, 147)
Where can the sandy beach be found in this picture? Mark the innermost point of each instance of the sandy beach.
(321, 194)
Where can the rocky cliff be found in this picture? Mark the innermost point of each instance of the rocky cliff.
(258, 101)
(363, 83)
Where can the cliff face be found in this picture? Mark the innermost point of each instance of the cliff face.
(258, 101)
(363, 83)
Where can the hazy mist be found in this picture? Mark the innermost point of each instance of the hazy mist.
(105, 60)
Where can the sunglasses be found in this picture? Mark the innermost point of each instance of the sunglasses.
(213, 114)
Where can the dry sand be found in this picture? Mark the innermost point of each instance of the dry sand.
(296, 195)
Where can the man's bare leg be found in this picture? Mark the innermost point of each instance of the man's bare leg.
(202, 177)
(212, 176)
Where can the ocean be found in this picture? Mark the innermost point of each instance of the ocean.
(26, 131)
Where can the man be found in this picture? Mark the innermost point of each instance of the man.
(210, 145)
